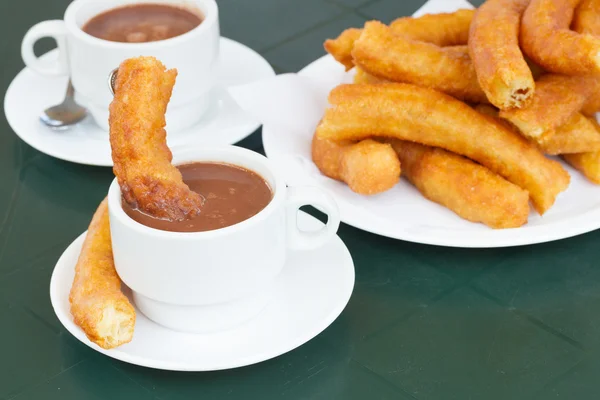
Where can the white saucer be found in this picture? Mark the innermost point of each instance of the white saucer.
(310, 294)
(85, 143)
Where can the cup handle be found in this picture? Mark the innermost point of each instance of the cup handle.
(55, 29)
(305, 196)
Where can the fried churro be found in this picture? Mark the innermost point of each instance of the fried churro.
(578, 135)
(556, 99)
(547, 39)
(341, 47)
(501, 69)
(142, 160)
(445, 29)
(592, 105)
(361, 76)
(98, 306)
(468, 189)
(367, 167)
(586, 163)
(587, 17)
(422, 115)
(387, 56)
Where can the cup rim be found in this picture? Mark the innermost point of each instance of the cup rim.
(116, 209)
(211, 17)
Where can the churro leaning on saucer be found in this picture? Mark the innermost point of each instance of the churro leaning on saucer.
(444, 29)
(98, 306)
(142, 159)
(382, 54)
(587, 17)
(556, 99)
(546, 38)
(501, 69)
(468, 189)
(367, 167)
(417, 114)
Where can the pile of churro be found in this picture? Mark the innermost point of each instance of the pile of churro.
(470, 107)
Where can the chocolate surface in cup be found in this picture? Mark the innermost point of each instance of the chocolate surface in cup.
(142, 23)
(232, 194)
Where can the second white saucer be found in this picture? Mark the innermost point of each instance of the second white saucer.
(85, 143)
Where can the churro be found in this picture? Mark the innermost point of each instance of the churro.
(445, 29)
(556, 99)
(547, 39)
(384, 55)
(586, 163)
(578, 135)
(142, 159)
(367, 167)
(98, 306)
(587, 17)
(468, 189)
(502, 71)
(422, 115)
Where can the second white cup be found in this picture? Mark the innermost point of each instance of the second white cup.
(89, 60)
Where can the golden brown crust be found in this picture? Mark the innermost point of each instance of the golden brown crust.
(428, 117)
(556, 99)
(468, 189)
(592, 105)
(502, 71)
(341, 47)
(587, 17)
(142, 160)
(387, 56)
(367, 167)
(445, 29)
(578, 135)
(586, 163)
(361, 76)
(98, 306)
(547, 39)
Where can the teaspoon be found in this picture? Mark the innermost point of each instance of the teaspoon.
(66, 113)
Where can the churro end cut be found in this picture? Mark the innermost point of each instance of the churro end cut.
(520, 97)
(115, 328)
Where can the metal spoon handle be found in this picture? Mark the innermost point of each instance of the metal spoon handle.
(70, 90)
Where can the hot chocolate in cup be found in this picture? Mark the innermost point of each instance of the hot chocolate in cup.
(89, 60)
(213, 280)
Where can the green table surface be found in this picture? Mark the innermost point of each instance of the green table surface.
(424, 322)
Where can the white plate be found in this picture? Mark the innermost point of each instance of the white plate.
(224, 122)
(403, 213)
(310, 294)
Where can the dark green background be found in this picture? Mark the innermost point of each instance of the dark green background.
(423, 323)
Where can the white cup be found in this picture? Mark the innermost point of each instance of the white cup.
(89, 60)
(214, 280)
